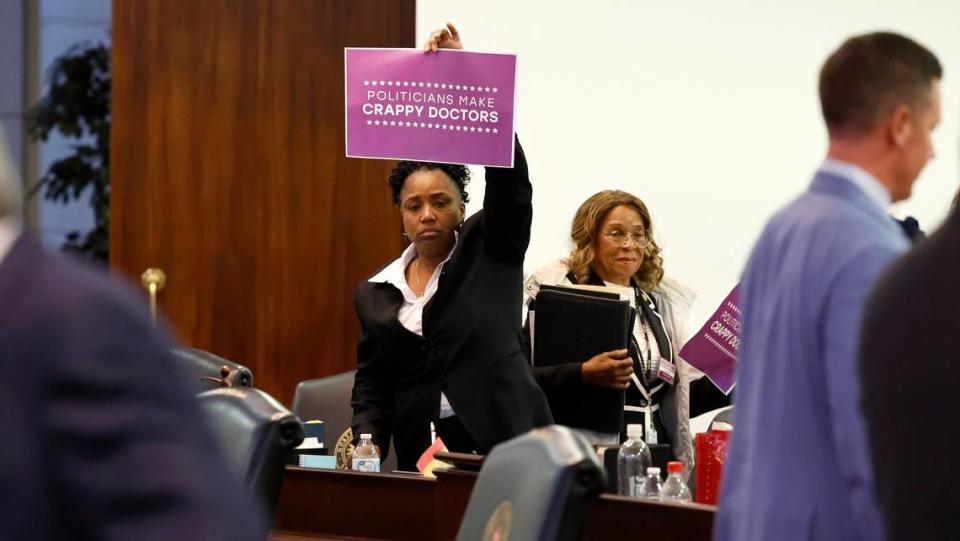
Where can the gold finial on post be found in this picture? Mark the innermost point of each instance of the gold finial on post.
(154, 280)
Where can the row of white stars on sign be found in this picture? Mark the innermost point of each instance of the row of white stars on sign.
(421, 84)
(429, 125)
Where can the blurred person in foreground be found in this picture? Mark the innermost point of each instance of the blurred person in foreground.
(798, 466)
(908, 370)
(102, 439)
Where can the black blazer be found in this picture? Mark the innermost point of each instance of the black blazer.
(102, 438)
(471, 345)
(909, 366)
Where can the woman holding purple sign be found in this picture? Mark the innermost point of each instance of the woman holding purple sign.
(612, 235)
(440, 330)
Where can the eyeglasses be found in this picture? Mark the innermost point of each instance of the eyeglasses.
(620, 238)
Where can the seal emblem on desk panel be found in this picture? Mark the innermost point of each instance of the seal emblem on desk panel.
(498, 525)
(344, 449)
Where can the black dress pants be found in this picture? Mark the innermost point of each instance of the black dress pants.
(456, 437)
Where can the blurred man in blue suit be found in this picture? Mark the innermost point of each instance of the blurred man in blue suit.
(101, 437)
(798, 466)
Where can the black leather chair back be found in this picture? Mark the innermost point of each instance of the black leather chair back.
(535, 487)
(328, 400)
(257, 435)
(723, 416)
(201, 364)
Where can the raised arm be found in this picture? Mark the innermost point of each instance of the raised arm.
(508, 209)
(507, 203)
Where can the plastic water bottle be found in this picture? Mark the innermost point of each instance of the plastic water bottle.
(651, 487)
(675, 489)
(632, 460)
(365, 456)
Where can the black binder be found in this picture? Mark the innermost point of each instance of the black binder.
(573, 325)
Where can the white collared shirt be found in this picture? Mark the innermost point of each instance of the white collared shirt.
(875, 191)
(411, 311)
(8, 235)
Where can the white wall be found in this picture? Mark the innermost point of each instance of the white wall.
(707, 110)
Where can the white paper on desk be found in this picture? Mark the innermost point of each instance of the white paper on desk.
(311, 443)
(321, 462)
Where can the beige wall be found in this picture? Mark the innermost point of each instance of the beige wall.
(705, 109)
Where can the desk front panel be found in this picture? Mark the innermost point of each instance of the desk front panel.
(323, 504)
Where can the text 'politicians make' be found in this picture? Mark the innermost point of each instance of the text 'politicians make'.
(469, 108)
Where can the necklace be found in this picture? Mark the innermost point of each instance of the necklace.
(416, 274)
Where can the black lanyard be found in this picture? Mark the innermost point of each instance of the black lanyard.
(645, 370)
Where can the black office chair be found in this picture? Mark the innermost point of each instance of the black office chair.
(204, 369)
(723, 416)
(328, 400)
(535, 487)
(257, 435)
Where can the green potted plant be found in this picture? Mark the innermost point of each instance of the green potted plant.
(77, 105)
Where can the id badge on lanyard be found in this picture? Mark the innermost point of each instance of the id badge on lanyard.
(667, 371)
(650, 431)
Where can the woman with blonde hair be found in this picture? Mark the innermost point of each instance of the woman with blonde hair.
(613, 245)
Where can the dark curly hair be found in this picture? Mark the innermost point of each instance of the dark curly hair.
(459, 174)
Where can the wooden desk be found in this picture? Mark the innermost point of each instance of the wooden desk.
(324, 504)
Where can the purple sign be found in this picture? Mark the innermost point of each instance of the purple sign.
(713, 350)
(450, 106)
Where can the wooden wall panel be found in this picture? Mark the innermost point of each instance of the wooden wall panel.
(228, 172)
